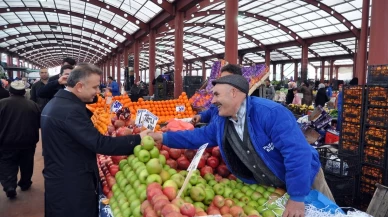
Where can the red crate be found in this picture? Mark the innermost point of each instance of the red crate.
(331, 138)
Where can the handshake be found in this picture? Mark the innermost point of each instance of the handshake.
(158, 137)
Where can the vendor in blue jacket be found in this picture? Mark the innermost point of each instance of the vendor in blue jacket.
(206, 116)
(259, 141)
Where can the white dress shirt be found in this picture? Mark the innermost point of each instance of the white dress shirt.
(239, 124)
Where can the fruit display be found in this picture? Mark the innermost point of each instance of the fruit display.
(202, 98)
(376, 137)
(353, 94)
(300, 109)
(378, 117)
(145, 184)
(352, 113)
(378, 96)
(165, 109)
(370, 176)
(377, 75)
(351, 132)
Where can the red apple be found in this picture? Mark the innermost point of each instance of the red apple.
(172, 163)
(111, 181)
(183, 163)
(165, 153)
(236, 211)
(153, 192)
(154, 185)
(189, 154)
(174, 214)
(113, 120)
(213, 162)
(123, 131)
(178, 202)
(229, 202)
(164, 147)
(119, 123)
(110, 195)
(159, 205)
(217, 177)
(169, 208)
(205, 170)
(223, 171)
(111, 129)
(188, 209)
(113, 169)
(218, 201)
(105, 190)
(232, 177)
(157, 198)
(225, 210)
(170, 192)
(175, 153)
(216, 152)
(202, 213)
(144, 205)
(202, 163)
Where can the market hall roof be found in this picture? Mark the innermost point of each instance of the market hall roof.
(330, 27)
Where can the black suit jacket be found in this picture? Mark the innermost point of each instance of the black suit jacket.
(70, 145)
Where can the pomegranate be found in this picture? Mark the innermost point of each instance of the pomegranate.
(123, 131)
(119, 123)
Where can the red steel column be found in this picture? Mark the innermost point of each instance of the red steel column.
(296, 73)
(322, 71)
(231, 31)
(9, 64)
(378, 40)
(304, 63)
(267, 58)
(136, 60)
(282, 72)
(151, 59)
(355, 58)
(274, 71)
(203, 70)
(178, 52)
(331, 70)
(118, 73)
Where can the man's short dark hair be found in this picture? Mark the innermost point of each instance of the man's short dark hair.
(63, 68)
(82, 71)
(268, 80)
(111, 78)
(232, 68)
(69, 60)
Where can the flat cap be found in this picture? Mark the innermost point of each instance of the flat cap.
(237, 81)
(18, 85)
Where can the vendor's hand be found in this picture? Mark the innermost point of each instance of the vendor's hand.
(196, 119)
(145, 133)
(63, 80)
(294, 209)
(158, 137)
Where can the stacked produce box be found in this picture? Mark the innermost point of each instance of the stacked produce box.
(374, 155)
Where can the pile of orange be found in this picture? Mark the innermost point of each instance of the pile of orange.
(101, 119)
(164, 110)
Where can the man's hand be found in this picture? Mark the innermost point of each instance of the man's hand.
(196, 119)
(158, 137)
(294, 209)
(145, 133)
(63, 80)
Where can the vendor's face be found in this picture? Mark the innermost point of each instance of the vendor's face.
(223, 99)
(88, 88)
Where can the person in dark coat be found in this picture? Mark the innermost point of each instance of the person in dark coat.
(307, 92)
(52, 87)
(43, 73)
(290, 93)
(19, 133)
(321, 98)
(66, 61)
(70, 144)
(3, 92)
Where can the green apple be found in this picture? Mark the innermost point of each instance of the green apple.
(201, 185)
(193, 179)
(164, 175)
(119, 174)
(278, 211)
(239, 181)
(238, 195)
(148, 143)
(212, 182)
(141, 188)
(228, 193)
(166, 167)
(260, 209)
(144, 156)
(122, 164)
(256, 195)
(200, 205)
(118, 179)
(179, 179)
(132, 179)
(126, 170)
(253, 186)
(245, 199)
(253, 204)
(122, 200)
(130, 158)
(239, 185)
(197, 194)
(261, 201)
(249, 192)
(133, 197)
(140, 169)
(116, 211)
(197, 172)
(154, 152)
(209, 195)
(271, 189)
(260, 189)
(188, 199)
(268, 213)
(233, 183)
(112, 200)
(172, 171)
(123, 205)
(170, 183)
(240, 203)
(219, 189)
(154, 166)
(129, 174)
(134, 204)
(123, 183)
(201, 180)
(116, 189)
(112, 205)
(136, 212)
(154, 178)
(119, 196)
(244, 189)
(134, 161)
(226, 182)
(266, 194)
(183, 173)
(255, 213)
(248, 209)
(162, 159)
(136, 150)
(143, 176)
(208, 177)
(126, 212)
(129, 193)
(143, 195)
(186, 191)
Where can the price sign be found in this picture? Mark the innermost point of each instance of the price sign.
(108, 100)
(180, 108)
(150, 120)
(194, 163)
(140, 117)
(116, 106)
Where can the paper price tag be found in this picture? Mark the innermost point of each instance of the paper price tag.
(108, 100)
(116, 106)
(194, 163)
(140, 117)
(150, 120)
(180, 108)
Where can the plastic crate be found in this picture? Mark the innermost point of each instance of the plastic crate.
(378, 75)
(337, 164)
(377, 96)
(354, 95)
(370, 176)
(377, 117)
(376, 137)
(352, 113)
(341, 186)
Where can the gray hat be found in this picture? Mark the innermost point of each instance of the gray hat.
(236, 81)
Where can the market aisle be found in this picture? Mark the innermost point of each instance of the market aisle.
(29, 203)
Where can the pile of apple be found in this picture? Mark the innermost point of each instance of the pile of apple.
(147, 186)
(210, 162)
(107, 171)
(122, 125)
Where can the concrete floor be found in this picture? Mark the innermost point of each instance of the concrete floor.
(28, 203)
